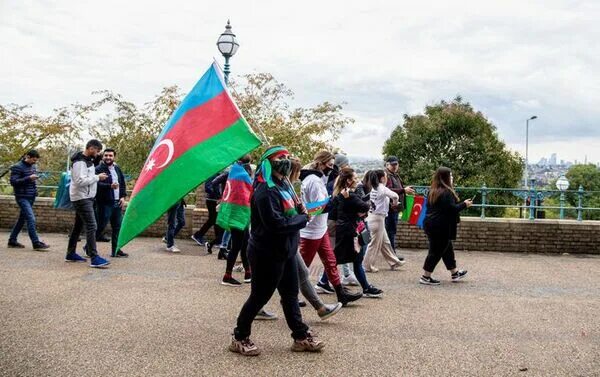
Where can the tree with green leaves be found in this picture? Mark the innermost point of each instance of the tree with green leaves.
(453, 134)
(588, 177)
(265, 103)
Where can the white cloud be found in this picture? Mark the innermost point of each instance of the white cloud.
(510, 59)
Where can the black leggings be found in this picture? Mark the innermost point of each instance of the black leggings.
(211, 206)
(239, 243)
(439, 248)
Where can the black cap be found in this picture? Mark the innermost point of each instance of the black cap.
(391, 159)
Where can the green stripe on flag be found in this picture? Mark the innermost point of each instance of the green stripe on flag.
(410, 200)
(183, 175)
(234, 216)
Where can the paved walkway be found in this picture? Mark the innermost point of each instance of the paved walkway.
(163, 314)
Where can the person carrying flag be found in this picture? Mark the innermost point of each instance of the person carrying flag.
(314, 238)
(275, 218)
(234, 216)
(443, 208)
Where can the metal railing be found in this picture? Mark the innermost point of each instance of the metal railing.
(529, 200)
(48, 185)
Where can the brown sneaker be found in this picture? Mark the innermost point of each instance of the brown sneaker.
(310, 344)
(245, 347)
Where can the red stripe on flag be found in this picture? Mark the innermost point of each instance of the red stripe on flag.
(416, 210)
(196, 126)
(237, 192)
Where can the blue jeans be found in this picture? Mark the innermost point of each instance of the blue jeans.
(391, 225)
(26, 215)
(358, 268)
(175, 222)
(113, 213)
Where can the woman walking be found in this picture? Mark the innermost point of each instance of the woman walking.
(234, 216)
(380, 197)
(351, 209)
(276, 219)
(443, 208)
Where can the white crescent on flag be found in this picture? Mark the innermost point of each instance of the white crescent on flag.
(152, 162)
(415, 210)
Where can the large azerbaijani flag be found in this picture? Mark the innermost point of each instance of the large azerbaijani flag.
(204, 135)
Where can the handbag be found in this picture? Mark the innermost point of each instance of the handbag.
(364, 235)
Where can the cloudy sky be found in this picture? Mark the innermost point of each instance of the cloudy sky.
(510, 59)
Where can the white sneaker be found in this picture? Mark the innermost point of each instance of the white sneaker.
(350, 280)
(173, 249)
(164, 239)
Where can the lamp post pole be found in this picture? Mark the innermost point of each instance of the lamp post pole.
(526, 171)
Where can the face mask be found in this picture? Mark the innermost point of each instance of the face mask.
(327, 170)
(283, 167)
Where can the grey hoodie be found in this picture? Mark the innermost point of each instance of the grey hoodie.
(84, 180)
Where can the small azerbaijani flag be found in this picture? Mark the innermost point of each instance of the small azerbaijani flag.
(416, 210)
(407, 208)
(316, 208)
(204, 135)
(421, 219)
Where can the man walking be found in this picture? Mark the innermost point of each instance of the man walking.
(110, 199)
(83, 189)
(23, 177)
(395, 184)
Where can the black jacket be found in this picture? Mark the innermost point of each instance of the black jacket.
(105, 194)
(23, 186)
(214, 186)
(272, 233)
(345, 225)
(442, 216)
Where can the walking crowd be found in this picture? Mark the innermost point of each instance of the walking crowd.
(276, 232)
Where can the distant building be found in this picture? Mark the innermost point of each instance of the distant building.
(552, 161)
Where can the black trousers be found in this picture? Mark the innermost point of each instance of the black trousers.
(85, 216)
(211, 205)
(268, 275)
(239, 244)
(439, 248)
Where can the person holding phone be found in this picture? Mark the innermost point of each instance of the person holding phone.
(110, 200)
(443, 208)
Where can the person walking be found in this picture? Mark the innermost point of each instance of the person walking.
(175, 222)
(275, 219)
(314, 237)
(84, 182)
(380, 197)
(213, 195)
(395, 184)
(110, 200)
(23, 179)
(351, 209)
(234, 216)
(441, 219)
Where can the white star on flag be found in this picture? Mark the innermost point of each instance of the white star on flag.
(150, 164)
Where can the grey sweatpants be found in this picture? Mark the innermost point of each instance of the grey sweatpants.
(306, 287)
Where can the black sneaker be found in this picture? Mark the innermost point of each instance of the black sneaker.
(230, 282)
(428, 280)
(324, 288)
(222, 253)
(373, 292)
(102, 239)
(458, 275)
(15, 245)
(40, 246)
(302, 303)
(120, 254)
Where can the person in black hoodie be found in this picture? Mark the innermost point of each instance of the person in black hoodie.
(23, 177)
(276, 218)
(351, 211)
(110, 199)
(443, 208)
